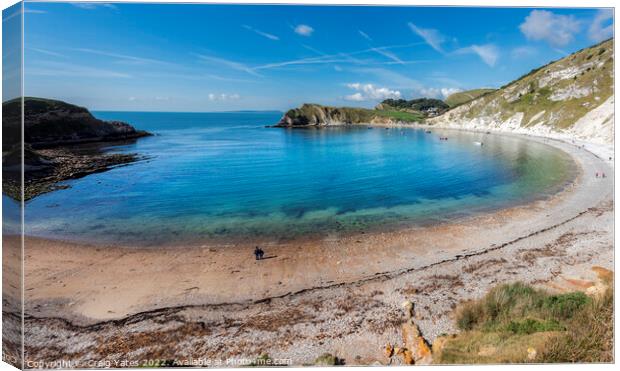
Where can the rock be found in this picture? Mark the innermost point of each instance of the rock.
(415, 349)
(51, 123)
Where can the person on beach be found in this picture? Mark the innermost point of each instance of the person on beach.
(258, 253)
(597, 174)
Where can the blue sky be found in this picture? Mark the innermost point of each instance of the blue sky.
(179, 57)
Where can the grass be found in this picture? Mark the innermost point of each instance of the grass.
(401, 115)
(527, 95)
(463, 97)
(511, 320)
(313, 113)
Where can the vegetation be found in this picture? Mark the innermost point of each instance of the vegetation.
(463, 97)
(421, 104)
(314, 114)
(516, 323)
(328, 359)
(401, 115)
(557, 94)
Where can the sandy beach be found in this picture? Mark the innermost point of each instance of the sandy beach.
(339, 295)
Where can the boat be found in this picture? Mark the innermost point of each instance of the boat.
(479, 143)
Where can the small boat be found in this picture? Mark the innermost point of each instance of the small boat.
(479, 143)
(428, 132)
(443, 138)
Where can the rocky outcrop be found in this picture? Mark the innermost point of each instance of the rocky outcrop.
(51, 123)
(55, 133)
(571, 97)
(415, 350)
(309, 115)
(317, 115)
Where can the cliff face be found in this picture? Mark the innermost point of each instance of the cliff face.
(50, 123)
(317, 115)
(573, 97)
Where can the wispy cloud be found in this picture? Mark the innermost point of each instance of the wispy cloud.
(228, 63)
(555, 29)
(124, 57)
(523, 52)
(261, 33)
(370, 92)
(92, 6)
(488, 53)
(47, 52)
(365, 35)
(344, 57)
(381, 50)
(388, 54)
(304, 30)
(602, 26)
(57, 69)
(432, 37)
(34, 11)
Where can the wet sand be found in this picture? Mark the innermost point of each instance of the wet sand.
(339, 294)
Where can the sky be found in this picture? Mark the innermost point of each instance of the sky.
(201, 57)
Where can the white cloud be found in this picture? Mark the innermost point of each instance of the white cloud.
(357, 97)
(223, 97)
(366, 92)
(599, 31)
(555, 29)
(488, 53)
(304, 30)
(436, 92)
(431, 36)
(446, 92)
(261, 33)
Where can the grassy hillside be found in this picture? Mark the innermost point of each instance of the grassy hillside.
(556, 95)
(462, 97)
(516, 323)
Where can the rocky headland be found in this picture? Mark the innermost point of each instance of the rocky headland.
(61, 141)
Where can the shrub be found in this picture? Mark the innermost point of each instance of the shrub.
(328, 359)
(588, 337)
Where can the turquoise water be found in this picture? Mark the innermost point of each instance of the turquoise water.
(224, 175)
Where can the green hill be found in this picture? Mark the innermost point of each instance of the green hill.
(462, 97)
(318, 115)
(573, 95)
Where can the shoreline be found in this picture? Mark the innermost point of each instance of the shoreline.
(108, 287)
(450, 217)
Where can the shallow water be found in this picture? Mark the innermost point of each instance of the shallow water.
(224, 175)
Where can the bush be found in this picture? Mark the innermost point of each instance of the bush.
(564, 306)
(589, 335)
(530, 326)
(508, 303)
(328, 359)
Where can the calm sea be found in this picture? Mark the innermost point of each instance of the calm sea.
(226, 176)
